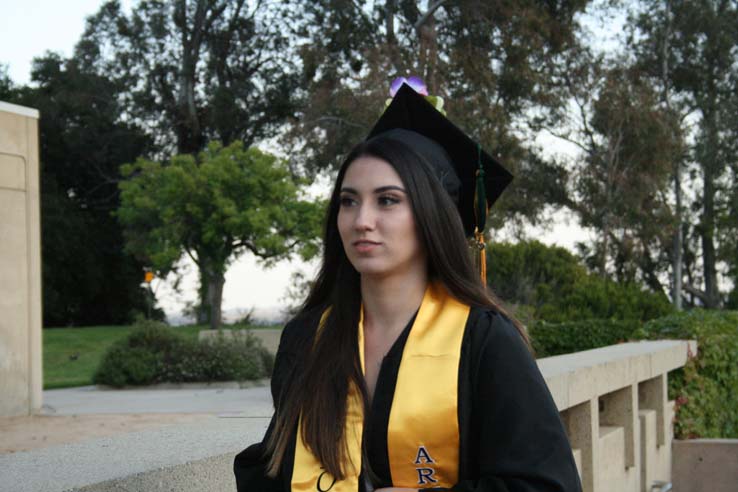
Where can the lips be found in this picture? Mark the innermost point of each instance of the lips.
(365, 246)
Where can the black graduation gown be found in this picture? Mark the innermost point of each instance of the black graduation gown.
(511, 435)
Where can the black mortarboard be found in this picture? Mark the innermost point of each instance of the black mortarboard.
(449, 151)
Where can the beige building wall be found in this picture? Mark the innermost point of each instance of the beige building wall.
(20, 262)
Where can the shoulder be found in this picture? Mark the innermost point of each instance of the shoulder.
(489, 327)
(299, 332)
(492, 341)
(297, 337)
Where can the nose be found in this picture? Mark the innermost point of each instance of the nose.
(365, 218)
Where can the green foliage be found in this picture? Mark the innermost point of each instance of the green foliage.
(624, 177)
(154, 353)
(595, 297)
(689, 51)
(706, 390)
(128, 365)
(556, 287)
(7, 88)
(531, 273)
(574, 336)
(196, 70)
(222, 359)
(732, 301)
(213, 207)
(490, 64)
(139, 358)
(227, 199)
(617, 185)
(72, 355)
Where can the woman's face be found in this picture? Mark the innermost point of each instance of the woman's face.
(375, 221)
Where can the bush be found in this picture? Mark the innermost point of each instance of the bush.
(574, 336)
(595, 297)
(127, 365)
(237, 358)
(138, 358)
(555, 286)
(531, 273)
(706, 389)
(154, 353)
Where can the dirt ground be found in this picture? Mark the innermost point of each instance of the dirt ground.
(38, 431)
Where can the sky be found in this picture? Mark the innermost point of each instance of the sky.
(29, 28)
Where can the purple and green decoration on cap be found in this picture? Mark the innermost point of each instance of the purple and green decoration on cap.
(418, 85)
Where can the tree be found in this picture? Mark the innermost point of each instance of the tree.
(618, 184)
(87, 277)
(703, 77)
(6, 84)
(489, 60)
(197, 70)
(213, 207)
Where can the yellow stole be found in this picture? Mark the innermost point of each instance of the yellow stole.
(423, 431)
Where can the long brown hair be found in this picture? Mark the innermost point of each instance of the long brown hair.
(318, 393)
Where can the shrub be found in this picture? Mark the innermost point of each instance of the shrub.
(706, 389)
(595, 297)
(555, 286)
(138, 358)
(574, 336)
(127, 365)
(153, 335)
(531, 273)
(154, 353)
(238, 358)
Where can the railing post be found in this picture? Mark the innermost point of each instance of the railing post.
(620, 409)
(582, 425)
(652, 395)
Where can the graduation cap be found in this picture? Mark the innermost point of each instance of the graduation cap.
(473, 178)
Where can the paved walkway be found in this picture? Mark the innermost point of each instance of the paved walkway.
(84, 400)
(221, 421)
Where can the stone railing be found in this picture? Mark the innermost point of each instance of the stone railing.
(614, 404)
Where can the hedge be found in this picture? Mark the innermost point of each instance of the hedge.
(706, 389)
(155, 353)
(554, 285)
(574, 336)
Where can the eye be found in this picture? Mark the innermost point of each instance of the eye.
(387, 200)
(346, 201)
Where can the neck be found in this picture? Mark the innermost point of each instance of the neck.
(390, 302)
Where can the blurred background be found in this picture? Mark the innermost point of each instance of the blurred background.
(618, 119)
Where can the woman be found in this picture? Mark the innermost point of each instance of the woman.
(401, 372)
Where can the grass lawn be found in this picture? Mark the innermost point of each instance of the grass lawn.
(71, 355)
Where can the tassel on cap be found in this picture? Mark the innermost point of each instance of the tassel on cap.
(481, 210)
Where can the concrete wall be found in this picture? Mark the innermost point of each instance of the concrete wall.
(613, 402)
(20, 262)
(706, 465)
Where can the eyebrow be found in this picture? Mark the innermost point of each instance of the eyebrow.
(381, 189)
